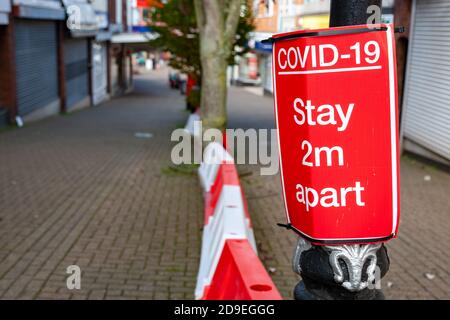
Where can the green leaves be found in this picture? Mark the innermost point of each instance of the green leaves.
(176, 25)
(177, 28)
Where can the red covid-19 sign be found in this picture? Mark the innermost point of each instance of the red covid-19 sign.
(336, 112)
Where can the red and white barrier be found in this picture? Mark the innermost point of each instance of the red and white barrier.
(240, 275)
(213, 156)
(190, 124)
(229, 266)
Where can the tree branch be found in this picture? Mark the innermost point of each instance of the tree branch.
(232, 20)
(200, 15)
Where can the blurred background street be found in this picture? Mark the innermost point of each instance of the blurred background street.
(84, 189)
(90, 93)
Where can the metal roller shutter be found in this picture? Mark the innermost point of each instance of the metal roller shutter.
(115, 85)
(99, 72)
(426, 119)
(36, 65)
(76, 67)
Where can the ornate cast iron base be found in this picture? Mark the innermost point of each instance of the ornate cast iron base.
(339, 272)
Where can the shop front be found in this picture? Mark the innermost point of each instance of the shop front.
(425, 112)
(100, 54)
(36, 57)
(99, 72)
(81, 25)
(5, 9)
(264, 51)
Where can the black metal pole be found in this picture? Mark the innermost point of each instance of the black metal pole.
(346, 271)
(352, 12)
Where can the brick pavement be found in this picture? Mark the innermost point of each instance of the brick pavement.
(424, 234)
(82, 189)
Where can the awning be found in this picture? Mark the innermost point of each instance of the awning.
(43, 9)
(5, 9)
(137, 41)
(4, 18)
(256, 44)
(103, 35)
(263, 47)
(81, 18)
(140, 29)
(133, 37)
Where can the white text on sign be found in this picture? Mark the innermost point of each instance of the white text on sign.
(314, 58)
(323, 115)
(328, 197)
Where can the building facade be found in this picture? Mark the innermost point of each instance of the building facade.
(256, 66)
(56, 56)
(272, 17)
(81, 27)
(283, 16)
(313, 14)
(36, 25)
(425, 126)
(5, 30)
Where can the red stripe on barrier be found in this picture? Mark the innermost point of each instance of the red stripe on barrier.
(240, 275)
(226, 175)
(225, 140)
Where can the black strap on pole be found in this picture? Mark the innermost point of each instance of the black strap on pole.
(288, 226)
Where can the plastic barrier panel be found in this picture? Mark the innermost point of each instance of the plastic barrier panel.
(214, 156)
(227, 224)
(240, 275)
(190, 124)
(226, 176)
(228, 243)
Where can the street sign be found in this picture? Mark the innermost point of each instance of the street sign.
(336, 112)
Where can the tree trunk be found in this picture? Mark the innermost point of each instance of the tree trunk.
(214, 88)
(217, 22)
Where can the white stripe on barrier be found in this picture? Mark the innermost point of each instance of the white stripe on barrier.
(227, 222)
(190, 124)
(214, 156)
(230, 198)
(227, 225)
